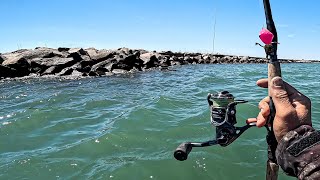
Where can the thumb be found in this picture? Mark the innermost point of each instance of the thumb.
(280, 96)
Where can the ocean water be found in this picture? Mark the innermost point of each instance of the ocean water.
(127, 127)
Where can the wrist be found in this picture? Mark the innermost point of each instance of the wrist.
(298, 150)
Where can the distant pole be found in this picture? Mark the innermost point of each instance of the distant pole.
(214, 30)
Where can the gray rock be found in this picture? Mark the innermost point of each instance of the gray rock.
(100, 65)
(119, 71)
(91, 73)
(167, 53)
(53, 61)
(63, 49)
(149, 59)
(42, 52)
(6, 72)
(17, 62)
(206, 58)
(244, 58)
(82, 62)
(78, 54)
(50, 70)
(1, 59)
(125, 51)
(175, 63)
(91, 52)
(44, 63)
(76, 73)
(77, 50)
(128, 62)
(103, 55)
(110, 66)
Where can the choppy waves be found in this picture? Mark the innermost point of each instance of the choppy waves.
(126, 127)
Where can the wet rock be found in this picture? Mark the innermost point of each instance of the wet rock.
(6, 72)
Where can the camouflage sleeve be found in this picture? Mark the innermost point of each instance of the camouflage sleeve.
(298, 153)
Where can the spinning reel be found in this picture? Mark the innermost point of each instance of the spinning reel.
(223, 117)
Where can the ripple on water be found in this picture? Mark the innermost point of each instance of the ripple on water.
(126, 127)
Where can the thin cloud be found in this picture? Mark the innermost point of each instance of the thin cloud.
(291, 35)
(283, 25)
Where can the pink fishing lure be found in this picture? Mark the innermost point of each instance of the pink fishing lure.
(266, 36)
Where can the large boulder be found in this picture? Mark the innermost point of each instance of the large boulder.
(70, 71)
(53, 61)
(149, 59)
(91, 52)
(78, 54)
(63, 49)
(128, 62)
(1, 59)
(102, 55)
(125, 51)
(6, 72)
(77, 50)
(21, 60)
(40, 65)
(102, 66)
(43, 52)
(96, 57)
(17, 62)
(119, 71)
(244, 59)
(39, 52)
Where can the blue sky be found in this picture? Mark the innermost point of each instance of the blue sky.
(177, 25)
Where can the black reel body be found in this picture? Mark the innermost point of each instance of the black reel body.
(223, 118)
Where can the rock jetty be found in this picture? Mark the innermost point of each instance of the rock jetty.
(79, 62)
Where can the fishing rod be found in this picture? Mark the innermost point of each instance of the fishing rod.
(274, 70)
(223, 107)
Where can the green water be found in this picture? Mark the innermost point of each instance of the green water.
(126, 127)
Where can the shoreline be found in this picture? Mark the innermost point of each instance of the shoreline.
(78, 62)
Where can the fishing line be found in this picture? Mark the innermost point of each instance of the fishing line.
(261, 6)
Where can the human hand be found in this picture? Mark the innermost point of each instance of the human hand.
(293, 109)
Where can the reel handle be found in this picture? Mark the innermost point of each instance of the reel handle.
(182, 151)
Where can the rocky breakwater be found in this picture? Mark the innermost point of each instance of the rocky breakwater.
(78, 62)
